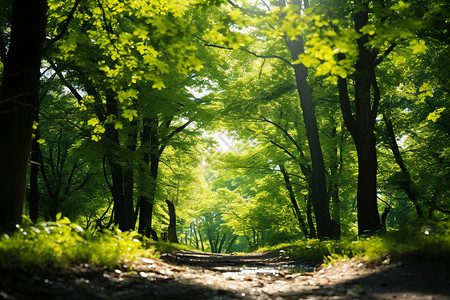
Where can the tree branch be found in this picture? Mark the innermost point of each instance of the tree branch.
(252, 53)
(246, 10)
(286, 133)
(64, 27)
(344, 100)
(64, 81)
(385, 54)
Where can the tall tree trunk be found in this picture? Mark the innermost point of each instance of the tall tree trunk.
(318, 180)
(151, 156)
(172, 231)
(123, 215)
(367, 209)
(128, 178)
(362, 126)
(294, 203)
(18, 99)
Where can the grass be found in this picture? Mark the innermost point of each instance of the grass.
(430, 239)
(63, 243)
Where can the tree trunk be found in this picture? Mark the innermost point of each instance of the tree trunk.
(297, 211)
(201, 239)
(407, 184)
(34, 174)
(367, 209)
(172, 231)
(222, 241)
(195, 235)
(334, 186)
(18, 99)
(128, 177)
(123, 215)
(309, 217)
(233, 239)
(362, 126)
(318, 180)
(151, 156)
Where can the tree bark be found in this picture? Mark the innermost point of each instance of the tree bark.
(18, 99)
(151, 144)
(309, 217)
(172, 231)
(233, 239)
(362, 127)
(222, 241)
(293, 199)
(318, 180)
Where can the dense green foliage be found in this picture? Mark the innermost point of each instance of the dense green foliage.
(431, 240)
(62, 243)
(264, 122)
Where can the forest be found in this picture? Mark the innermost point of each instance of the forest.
(226, 126)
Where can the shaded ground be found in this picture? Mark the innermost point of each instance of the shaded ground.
(195, 275)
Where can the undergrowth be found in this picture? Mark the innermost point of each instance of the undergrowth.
(63, 243)
(428, 239)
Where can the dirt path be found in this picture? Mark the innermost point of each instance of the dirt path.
(195, 275)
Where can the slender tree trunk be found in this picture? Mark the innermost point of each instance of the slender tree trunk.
(34, 174)
(293, 199)
(18, 99)
(195, 235)
(222, 241)
(172, 231)
(318, 180)
(201, 239)
(334, 186)
(211, 242)
(407, 184)
(233, 239)
(309, 217)
(128, 177)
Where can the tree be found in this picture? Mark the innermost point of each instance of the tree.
(18, 100)
(286, 14)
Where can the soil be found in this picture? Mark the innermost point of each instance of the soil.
(197, 275)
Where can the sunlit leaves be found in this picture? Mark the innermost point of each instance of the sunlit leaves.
(129, 114)
(435, 115)
(158, 85)
(418, 46)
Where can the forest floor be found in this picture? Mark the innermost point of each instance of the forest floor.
(197, 275)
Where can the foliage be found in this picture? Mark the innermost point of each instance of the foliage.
(426, 239)
(61, 243)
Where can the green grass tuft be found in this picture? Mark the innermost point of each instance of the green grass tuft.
(429, 239)
(62, 243)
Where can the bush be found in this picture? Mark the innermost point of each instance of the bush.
(62, 243)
